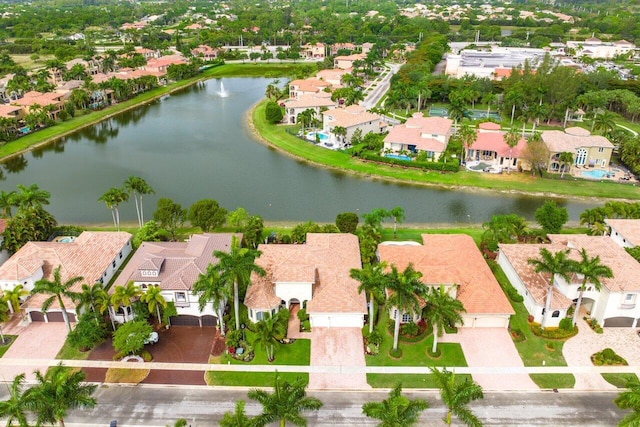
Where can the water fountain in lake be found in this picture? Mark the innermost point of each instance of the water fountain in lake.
(222, 92)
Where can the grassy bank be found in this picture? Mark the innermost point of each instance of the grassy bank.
(61, 129)
(277, 136)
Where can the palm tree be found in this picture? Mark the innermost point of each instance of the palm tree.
(467, 136)
(630, 399)
(268, 330)
(286, 403)
(123, 296)
(340, 132)
(59, 390)
(604, 122)
(397, 214)
(7, 201)
(112, 198)
(511, 138)
(13, 296)
(396, 410)
(372, 280)
(138, 187)
(210, 288)
(553, 264)
(4, 316)
(405, 287)
(489, 99)
(456, 397)
(591, 271)
(235, 268)
(237, 418)
(441, 309)
(32, 196)
(88, 295)
(154, 300)
(17, 404)
(565, 158)
(306, 117)
(57, 290)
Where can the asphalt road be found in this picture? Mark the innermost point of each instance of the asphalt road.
(152, 406)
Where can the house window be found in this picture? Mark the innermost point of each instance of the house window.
(120, 254)
(406, 318)
(114, 263)
(600, 149)
(259, 315)
(581, 156)
(630, 298)
(181, 297)
(555, 313)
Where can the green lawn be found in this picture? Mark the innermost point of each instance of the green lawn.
(415, 234)
(413, 354)
(533, 350)
(4, 348)
(408, 380)
(250, 379)
(553, 380)
(69, 352)
(619, 380)
(298, 353)
(278, 137)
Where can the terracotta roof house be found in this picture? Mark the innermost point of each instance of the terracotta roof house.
(11, 111)
(175, 267)
(160, 64)
(205, 52)
(332, 76)
(341, 46)
(346, 61)
(615, 305)
(490, 147)
(426, 134)
(316, 274)
(625, 232)
(588, 150)
(95, 256)
(317, 102)
(351, 118)
(454, 260)
(42, 99)
(309, 86)
(313, 51)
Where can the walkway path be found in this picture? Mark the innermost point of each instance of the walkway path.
(499, 353)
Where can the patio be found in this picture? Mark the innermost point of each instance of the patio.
(611, 173)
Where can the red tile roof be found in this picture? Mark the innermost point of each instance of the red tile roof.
(494, 141)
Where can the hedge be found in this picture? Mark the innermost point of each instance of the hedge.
(552, 333)
(437, 166)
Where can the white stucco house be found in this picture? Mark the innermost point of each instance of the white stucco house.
(454, 261)
(175, 267)
(625, 232)
(94, 256)
(351, 118)
(420, 134)
(315, 274)
(614, 305)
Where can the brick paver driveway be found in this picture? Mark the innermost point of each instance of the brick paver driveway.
(492, 348)
(339, 347)
(37, 340)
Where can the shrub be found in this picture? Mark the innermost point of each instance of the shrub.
(517, 335)
(437, 166)
(410, 329)
(89, 332)
(129, 338)
(607, 357)
(374, 338)
(302, 315)
(552, 333)
(513, 294)
(566, 324)
(146, 356)
(233, 338)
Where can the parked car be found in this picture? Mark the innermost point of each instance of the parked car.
(152, 338)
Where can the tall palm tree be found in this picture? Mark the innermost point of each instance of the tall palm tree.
(511, 138)
(237, 418)
(405, 287)
(17, 404)
(57, 290)
(138, 187)
(112, 198)
(396, 410)
(565, 158)
(211, 288)
(87, 296)
(591, 270)
(441, 309)
(235, 268)
(467, 136)
(553, 264)
(13, 297)
(456, 396)
(58, 391)
(630, 399)
(154, 300)
(286, 403)
(8, 200)
(123, 296)
(398, 216)
(604, 122)
(32, 196)
(268, 330)
(372, 280)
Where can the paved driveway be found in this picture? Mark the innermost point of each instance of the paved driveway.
(37, 340)
(577, 351)
(342, 348)
(492, 348)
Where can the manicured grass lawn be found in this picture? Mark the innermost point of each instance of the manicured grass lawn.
(70, 352)
(415, 234)
(249, 379)
(4, 348)
(619, 380)
(298, 353)
(278, 137)
(408, 380)
(413, 354)
(533, 350)
(125, 376)
(553, 380)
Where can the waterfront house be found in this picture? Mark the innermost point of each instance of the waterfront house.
(351, 118)
(491, 148)
(345, 62)
(317, 102)
(593, 151)
(625, 232)
(420, 134)
(310, 86)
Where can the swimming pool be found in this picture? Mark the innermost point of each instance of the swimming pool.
(398, 156)
(322, 136)
(596, 174)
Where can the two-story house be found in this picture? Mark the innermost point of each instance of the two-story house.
(420, 134)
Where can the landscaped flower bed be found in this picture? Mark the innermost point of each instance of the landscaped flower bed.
(608, 357)
(410, 332)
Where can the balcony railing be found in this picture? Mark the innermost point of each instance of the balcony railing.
(628, 306)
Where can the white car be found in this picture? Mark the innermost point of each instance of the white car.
(152, 338)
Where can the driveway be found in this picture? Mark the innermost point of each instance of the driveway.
(342, 348)
(188, 344)
(36, 340)
(577, 351)
(492, 348)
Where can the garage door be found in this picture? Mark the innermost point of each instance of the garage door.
(485, 322)
(619, 322)
(56, 316)
(209, 320)
(336, 321)
(36, 316)
(185, 320)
